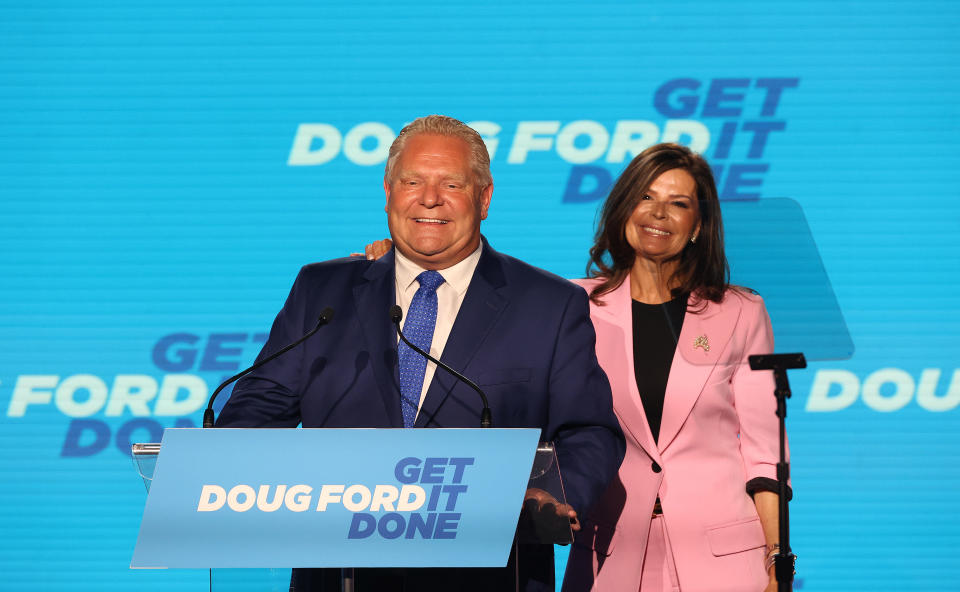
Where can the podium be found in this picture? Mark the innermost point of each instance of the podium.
(281, 498)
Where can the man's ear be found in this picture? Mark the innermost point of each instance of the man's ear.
(386, 191)
(485, 196)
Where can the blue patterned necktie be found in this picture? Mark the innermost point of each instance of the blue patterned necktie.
(421, 320)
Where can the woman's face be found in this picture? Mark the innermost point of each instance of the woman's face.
(666, 218)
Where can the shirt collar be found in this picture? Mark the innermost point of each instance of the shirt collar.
(457, 276)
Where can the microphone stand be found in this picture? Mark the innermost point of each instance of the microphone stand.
(785, 560)
(208, 420)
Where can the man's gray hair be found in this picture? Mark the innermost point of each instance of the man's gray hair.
(441, 125)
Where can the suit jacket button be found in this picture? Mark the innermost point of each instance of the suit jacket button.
(656, 468)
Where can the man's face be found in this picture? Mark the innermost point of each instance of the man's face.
(434, 206)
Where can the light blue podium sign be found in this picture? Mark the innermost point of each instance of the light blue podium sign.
(335, 498)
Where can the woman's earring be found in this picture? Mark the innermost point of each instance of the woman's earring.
(693, 239)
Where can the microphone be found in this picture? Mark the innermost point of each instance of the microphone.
(325, 316)
(486, 421)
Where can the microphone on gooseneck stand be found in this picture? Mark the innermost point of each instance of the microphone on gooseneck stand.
(486, 421)
(325, 316)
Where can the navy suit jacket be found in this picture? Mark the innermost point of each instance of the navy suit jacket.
(522, 334)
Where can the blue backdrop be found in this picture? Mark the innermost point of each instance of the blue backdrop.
(166, 167)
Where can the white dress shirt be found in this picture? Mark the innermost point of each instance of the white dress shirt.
(449, 298)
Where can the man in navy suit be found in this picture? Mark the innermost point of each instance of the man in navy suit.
(522, 334)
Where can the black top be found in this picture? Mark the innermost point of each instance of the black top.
(656, 329)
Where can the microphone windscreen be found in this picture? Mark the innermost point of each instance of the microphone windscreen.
(396, 313)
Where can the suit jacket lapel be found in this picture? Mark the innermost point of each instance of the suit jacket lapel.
(486, 297)
(703, 339)
(373, 297)
(618, 312)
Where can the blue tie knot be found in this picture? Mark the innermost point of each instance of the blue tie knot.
(430, 280)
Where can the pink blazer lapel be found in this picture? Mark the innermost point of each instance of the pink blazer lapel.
(703, 340)
(614, 325)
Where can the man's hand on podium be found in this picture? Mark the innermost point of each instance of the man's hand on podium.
(544, 520)
(545, 503)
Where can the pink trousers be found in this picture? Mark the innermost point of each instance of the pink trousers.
(659, 569)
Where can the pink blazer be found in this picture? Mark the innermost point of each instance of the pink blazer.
(718, 431)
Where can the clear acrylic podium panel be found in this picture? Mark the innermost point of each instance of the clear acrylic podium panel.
(771, 249)
(544, 475)
(544, 526)
(145, 461)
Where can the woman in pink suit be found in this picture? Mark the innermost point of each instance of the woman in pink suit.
(694, 506)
